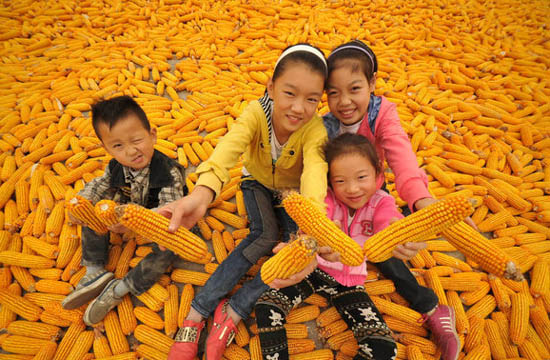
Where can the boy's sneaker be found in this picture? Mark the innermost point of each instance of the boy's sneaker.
(442, 326)
(105, 302)
(89, 287)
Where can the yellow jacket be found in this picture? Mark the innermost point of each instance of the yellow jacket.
(301, 163)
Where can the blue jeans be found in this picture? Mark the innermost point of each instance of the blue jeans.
(266, 217)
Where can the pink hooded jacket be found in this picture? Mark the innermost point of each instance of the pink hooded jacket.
(374, 216)
(392, 143)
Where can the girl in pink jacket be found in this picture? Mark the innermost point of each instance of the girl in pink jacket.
(356, 205)
(355, 109)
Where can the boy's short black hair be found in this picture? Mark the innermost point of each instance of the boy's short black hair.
(111, 111)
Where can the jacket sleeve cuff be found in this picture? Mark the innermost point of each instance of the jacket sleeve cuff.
(211, 181)
(414, 190)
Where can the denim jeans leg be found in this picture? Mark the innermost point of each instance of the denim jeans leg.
(420, 298)
(245, 298)
(142, 277)
(95, 247)
(263, 223)
(288, 225)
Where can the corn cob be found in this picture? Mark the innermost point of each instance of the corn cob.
(69, 339)
(150, 301)
(148, 336)
(323, 354)
(101, 346)
(151, 353)
(404, 327)
(126, 315)
(519, 318)
(475, 246)
(83, 210)
(149, 317)
(6, 314)
(113, 330)
(47, 352)
(231, 219)
(187, 295)
(171, 311)
(124, 260)
(105, 211)
(290, 260)
(303, 314)
(417, 227)
(234, 352)
(24, 278)
(21, 345)
(53, 287)
(313, 222)
(317, 299)
(482, 308)
(154, 227)
(83, 344)
(255, 348)
(25, 260)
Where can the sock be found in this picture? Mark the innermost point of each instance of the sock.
(90, 269)
(121, 289)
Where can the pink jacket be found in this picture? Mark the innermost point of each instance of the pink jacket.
(392, 143)
(371, 218)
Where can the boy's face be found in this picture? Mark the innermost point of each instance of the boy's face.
(129, 142)
(348, 94)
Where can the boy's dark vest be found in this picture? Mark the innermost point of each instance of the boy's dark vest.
(159, 177)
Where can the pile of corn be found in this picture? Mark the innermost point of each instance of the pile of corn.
(471, 82)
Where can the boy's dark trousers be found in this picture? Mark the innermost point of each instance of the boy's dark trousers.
(95, 251)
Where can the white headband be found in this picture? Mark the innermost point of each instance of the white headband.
(301, 47)
(355, 48)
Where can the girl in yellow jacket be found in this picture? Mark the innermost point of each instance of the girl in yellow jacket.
(280, 136)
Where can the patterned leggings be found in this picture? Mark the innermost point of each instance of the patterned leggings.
(353, 304)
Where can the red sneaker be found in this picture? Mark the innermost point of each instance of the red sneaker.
(222, 333)
(185, 346)
(442, 326)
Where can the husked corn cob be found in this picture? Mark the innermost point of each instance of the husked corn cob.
(480, 249)
(519, 318)
(83, 210)
(417, 227)
(313, 222)
(290, 260)
(105, 211)
(154, 227)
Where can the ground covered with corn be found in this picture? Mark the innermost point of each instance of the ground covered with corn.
(472, 83)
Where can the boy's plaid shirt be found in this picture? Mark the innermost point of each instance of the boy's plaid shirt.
(99, 188)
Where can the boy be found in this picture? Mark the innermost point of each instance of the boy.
(138, 174)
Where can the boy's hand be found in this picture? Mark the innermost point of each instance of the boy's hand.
(326, 253)
(118, 228)
(74, 220)
(187, 210)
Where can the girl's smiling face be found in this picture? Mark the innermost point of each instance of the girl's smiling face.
(295, 93)
(353, 179)
(348, 92)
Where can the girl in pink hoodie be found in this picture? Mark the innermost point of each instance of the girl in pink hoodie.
(355, 109)
(356, 205)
